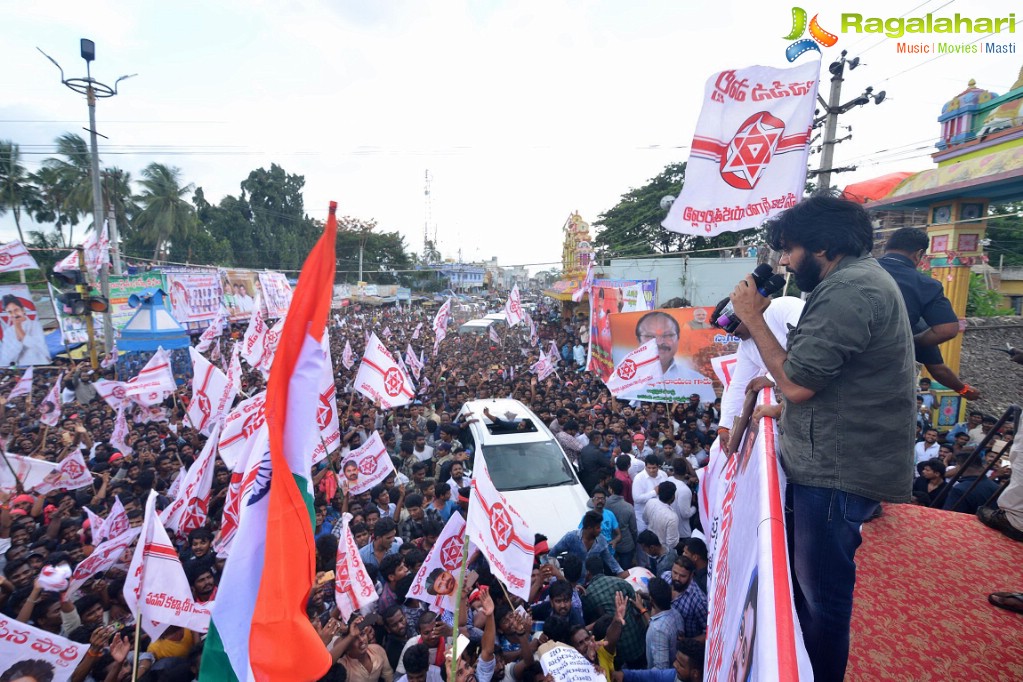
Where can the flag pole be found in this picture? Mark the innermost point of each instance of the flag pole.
(138, 634)
(453, 674)
(17, 481)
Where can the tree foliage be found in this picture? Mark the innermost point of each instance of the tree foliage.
(1005, 230)
(633, 226)
(982, 301)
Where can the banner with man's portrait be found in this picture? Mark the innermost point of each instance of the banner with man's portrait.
(686, 345)
(608, 297)
(195, 296)
(22, 333)
(240, 288)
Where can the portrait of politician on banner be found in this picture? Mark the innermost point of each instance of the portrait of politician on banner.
(22, 340)
(686, 346)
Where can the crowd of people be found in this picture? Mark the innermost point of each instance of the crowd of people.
(637, 462)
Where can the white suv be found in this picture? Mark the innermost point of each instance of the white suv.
(527, 465)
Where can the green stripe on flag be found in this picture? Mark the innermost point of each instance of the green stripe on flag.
(216, 666)
(303, 487)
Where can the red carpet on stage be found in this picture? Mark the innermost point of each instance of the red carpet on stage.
(921, 611)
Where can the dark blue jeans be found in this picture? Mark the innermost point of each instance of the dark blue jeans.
(823, 534)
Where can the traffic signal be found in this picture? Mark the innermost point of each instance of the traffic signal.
(76, 298)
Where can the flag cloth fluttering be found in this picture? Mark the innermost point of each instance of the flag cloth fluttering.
(260, 630)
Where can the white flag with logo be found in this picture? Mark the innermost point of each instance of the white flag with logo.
(413, 362)
(445, 555)
(241, 425)
(95, 525)
(637, 370)
(348, 357)
(155, 382)
(254, 340)
(208, 387)
(50, 408)
(440, 324)
(97, 254)
(188, 510)
(116, 523)
(273, 337)
(748, 157)
(119, 436)
(156, 589)
(70, 474)
(106, 554)
(113, 392)
(585, 287)
(14, 256)
(513, 307)
(326, 406)
(543, 367)
(500, 533)
(415, 334)
(492, 333)
(42, 476)
(353, 588)
(212, 332)
(24, 385)
(370, 465)
(380, 378)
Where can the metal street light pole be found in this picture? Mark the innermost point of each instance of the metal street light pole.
(93, 90)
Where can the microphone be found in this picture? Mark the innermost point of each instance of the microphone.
(766, 284)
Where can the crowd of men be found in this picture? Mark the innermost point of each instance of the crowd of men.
(637, 462)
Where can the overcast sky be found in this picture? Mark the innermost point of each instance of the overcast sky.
(522, 111)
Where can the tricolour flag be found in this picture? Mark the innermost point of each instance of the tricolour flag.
(370, 465)
(353, 588)
(748, 157)
(156, 589)
(380, 378)
(14, 256)
(154, 383)
(50, 408)
(208, 387)
(270, 571)
(188, 510)
(348, 357)
(636, 371)
(500, 533)
(513, 307)
(24, 385)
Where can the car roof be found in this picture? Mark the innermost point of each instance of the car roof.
(499, 407)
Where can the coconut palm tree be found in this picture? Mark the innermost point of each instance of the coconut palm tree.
(16, 188)
(167, 214)
(70, 180)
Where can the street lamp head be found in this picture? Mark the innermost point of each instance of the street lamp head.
(88, 50)
(879, 97)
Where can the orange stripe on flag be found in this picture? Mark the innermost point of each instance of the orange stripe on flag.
(282, 643)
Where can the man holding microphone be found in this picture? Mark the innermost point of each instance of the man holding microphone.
(847, 377)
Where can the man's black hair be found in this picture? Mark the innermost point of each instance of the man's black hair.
(648, 538)
(908, 239)
(652, 459)
(660, 593)
(666, 492)
(694, 650)
(572, 568)
(696, 547)
(416, 659)
(592, 519)
(837, 227)
(560, 589)
(616, 486)
(594, 565)
(390, 564)
(384, 526)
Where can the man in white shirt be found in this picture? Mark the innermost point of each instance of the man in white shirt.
(644, 487)
(927, 448)
(422, 451)
(660, 517)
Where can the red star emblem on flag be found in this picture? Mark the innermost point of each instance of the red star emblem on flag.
(627, 369)
(323, 411)
(393, 382)
(501, 526)
(451, 553)
(751, 149)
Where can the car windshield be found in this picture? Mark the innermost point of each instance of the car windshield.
(523, 466)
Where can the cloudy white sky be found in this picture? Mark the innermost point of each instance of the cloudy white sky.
(522, 111)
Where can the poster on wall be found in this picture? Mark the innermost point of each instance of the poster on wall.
(22, 333)
(610, 296)
(276, 293)
(121, 289)
(240, 288)
(686, 345)
(195, 296)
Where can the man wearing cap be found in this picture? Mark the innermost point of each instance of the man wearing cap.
(640, 450)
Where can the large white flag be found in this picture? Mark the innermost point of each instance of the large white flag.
(543, 367)
(209, 384)
(501, 534)
(14, 256)
(24, 385)
(353, 588)
(70, 474)
(586, 286)
(636, 371)
(97, 254)
(43, 476)
(50, 408)
(117, 522)
(188, 511)
(156, 589)
(251, 463)
(492, 333)
(241, 425)
(366, 466)
(415, 365)
(415, 334)
(513, 307)
(105, 554)
(155, 382)
(380, 378)
(748, 157)
(446, 555)
(272, 338)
